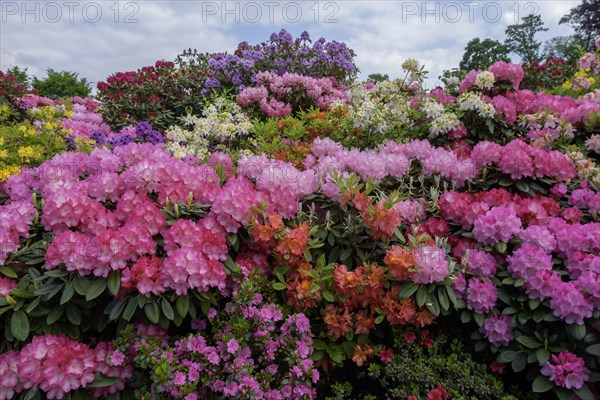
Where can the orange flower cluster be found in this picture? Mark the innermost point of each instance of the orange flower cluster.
(364, 291)
(361, 353)
(379, 219)
(288, 246)
(399, 262)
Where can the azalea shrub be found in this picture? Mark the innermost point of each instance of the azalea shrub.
(11, 91)
(281, 54)
(292, 232)
(423, 364)
(158, 94)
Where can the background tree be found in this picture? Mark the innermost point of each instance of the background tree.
(21, 75)
(569, 48)
(61, 84)
(520, 38)
(375, 78)
(585, 19)
(481, 54)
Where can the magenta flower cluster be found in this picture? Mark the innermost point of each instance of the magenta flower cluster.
(276, 95)
(566, 370)
(269, 359)
(56, 365)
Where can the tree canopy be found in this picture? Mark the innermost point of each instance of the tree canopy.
(61, 84)
(480, 54)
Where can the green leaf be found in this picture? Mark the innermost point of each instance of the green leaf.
(152, 312)
(102, 381)
(478, 318)
(132, 305)
(114, 282)
(594, 350)
(541, 384)
(421, 296)
(577, 331)
(81, 285)
(522, 186)
(279, 286)
(507, 356)
(167, 309)
(55, 315)
(116, 310)
(182, 305)
(327, 295)
(585, 393)
(542, 355)
(73, 314)
(451, 295)
(96, 289)
(319, 344)
(564, 394)
(345, 254)
(19, 325)
(519, 363)
(67, 293)
(24, 294)
(8, 271)
(407, 289)
(529, 342)
(501, 247)
(433, 305)
(443, 299)
(335, 353)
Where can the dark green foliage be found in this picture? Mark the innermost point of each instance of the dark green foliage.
(480, 54)
(61, 84)
(520, 38)
(585, 19)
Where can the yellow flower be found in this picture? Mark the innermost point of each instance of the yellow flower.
(3, 154)
(4, 112)
(592, 80)
(28, 153)
(567, 85)
(6, 171)
(68, 114)
(1, 141)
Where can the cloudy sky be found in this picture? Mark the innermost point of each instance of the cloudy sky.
(98, 38)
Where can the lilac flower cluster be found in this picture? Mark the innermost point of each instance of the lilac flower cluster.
(253, 352)
(498, 330)
(282, 54)
(278, 95)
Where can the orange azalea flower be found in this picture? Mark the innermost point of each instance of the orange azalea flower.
(295, 242)
(338, 320)
(399, 261)
(423, 318)
(360, 201)
(361, 353)
(364, 322)
(275, 221)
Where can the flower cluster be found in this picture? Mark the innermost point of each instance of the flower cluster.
(57, 365)
(280, 95)
(566, 370)
(281, 54)
(250, 352)
(222, 122)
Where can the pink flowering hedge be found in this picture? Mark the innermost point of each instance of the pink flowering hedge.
(126, 272)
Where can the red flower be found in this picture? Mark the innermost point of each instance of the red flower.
(410, 337)
(497, 367)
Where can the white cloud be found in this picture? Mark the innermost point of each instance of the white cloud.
(383, 33)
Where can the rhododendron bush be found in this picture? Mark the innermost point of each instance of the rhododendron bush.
(277, 258)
